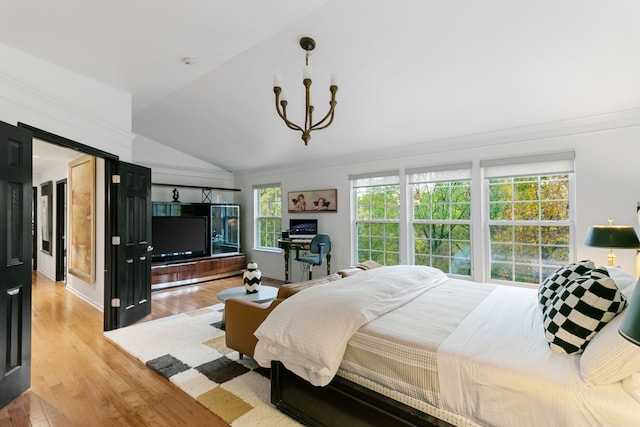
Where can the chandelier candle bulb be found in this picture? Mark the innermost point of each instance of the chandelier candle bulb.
(334, 79)
(306, 72)
(277, 80)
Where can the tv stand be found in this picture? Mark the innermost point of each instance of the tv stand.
(168, 274)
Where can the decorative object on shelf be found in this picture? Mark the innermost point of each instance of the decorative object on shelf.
(313, 201)
(308, 44)
(176, 195)
(252, 278)
(612, 236)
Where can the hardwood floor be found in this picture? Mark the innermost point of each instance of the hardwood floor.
(78, 378)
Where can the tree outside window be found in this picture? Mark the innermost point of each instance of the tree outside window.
(442, 223)
(529, 226)
(377, 223)
(268, 216)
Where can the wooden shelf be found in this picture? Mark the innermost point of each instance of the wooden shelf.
(196, 270)
(195, 186)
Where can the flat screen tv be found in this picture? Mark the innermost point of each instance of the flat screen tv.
(177, 237)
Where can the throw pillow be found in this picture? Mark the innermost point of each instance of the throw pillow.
(580, 310)
(559, 278)
(609, 357)
(622, 278)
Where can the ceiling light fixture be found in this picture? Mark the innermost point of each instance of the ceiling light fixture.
(308, 44)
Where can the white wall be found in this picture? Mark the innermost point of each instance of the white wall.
(93, 292)
(70, 105)
(46, 262)
(607, 179)
(170, 166)
(64, 103)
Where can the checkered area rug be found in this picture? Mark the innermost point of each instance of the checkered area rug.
(189, 350)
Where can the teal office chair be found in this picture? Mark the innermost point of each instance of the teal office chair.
(319, 247)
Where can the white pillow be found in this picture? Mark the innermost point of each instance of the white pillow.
(632, 386)
(609, 357)
(621, 277)
(628, 291)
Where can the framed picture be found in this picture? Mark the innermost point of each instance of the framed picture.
(46, 215)
(313, 201)
(82, 218)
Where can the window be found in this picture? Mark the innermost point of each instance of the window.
(530, 216)
(268, 214)
(441, 217)
(377, 217)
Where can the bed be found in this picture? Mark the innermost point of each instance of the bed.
(406, 345)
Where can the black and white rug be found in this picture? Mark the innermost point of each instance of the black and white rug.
(189, 350)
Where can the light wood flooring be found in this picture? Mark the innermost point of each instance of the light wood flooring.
(80, 379)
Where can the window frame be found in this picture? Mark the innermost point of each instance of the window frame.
(377, 180)
(259, 217)
(554, 164)
(436, 175)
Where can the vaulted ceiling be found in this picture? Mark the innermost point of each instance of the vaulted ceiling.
(410, 71)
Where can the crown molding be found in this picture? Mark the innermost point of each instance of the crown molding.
(529, 133)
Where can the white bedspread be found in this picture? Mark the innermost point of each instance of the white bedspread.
(496, 369)
(309, 331)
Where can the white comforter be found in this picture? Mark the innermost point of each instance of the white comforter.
(309, 331)
(496, 369)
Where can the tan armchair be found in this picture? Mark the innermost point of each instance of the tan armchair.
(244, 317)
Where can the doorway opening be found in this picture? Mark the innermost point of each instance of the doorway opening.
(61, 231)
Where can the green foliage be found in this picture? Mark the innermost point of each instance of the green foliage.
(270, 202)
(378, 203)
(528, 230)
(269, 220)
(444, 242)
(377, 229)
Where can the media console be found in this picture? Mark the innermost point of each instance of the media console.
(196, 270)
(194, 242)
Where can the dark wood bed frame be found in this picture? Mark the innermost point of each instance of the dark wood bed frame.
(341, 403)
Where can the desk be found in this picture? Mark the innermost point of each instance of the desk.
(288, 245)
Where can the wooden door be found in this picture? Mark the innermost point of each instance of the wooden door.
(15, 261)
(133, 254)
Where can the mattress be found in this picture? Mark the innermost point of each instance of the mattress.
(475, 354)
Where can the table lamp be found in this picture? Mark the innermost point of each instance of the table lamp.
(612, 236)
(630, 326)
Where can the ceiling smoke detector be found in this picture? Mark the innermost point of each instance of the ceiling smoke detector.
(189, 60)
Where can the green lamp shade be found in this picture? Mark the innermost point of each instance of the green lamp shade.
(612, 236)
(630, 327)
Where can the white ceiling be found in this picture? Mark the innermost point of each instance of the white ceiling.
(410, 71)
(46, 156)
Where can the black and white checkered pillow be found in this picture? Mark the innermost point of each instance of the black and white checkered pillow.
(559, 278)
(580, 310)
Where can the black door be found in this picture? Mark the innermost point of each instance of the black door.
(15, 262)
(61, 230)
(133, 254)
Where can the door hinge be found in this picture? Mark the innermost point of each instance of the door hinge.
(115, 240)
(115, 179)
(115, 302)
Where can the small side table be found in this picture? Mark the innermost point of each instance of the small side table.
(265, 294)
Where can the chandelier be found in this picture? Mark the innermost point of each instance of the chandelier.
(308, 44)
